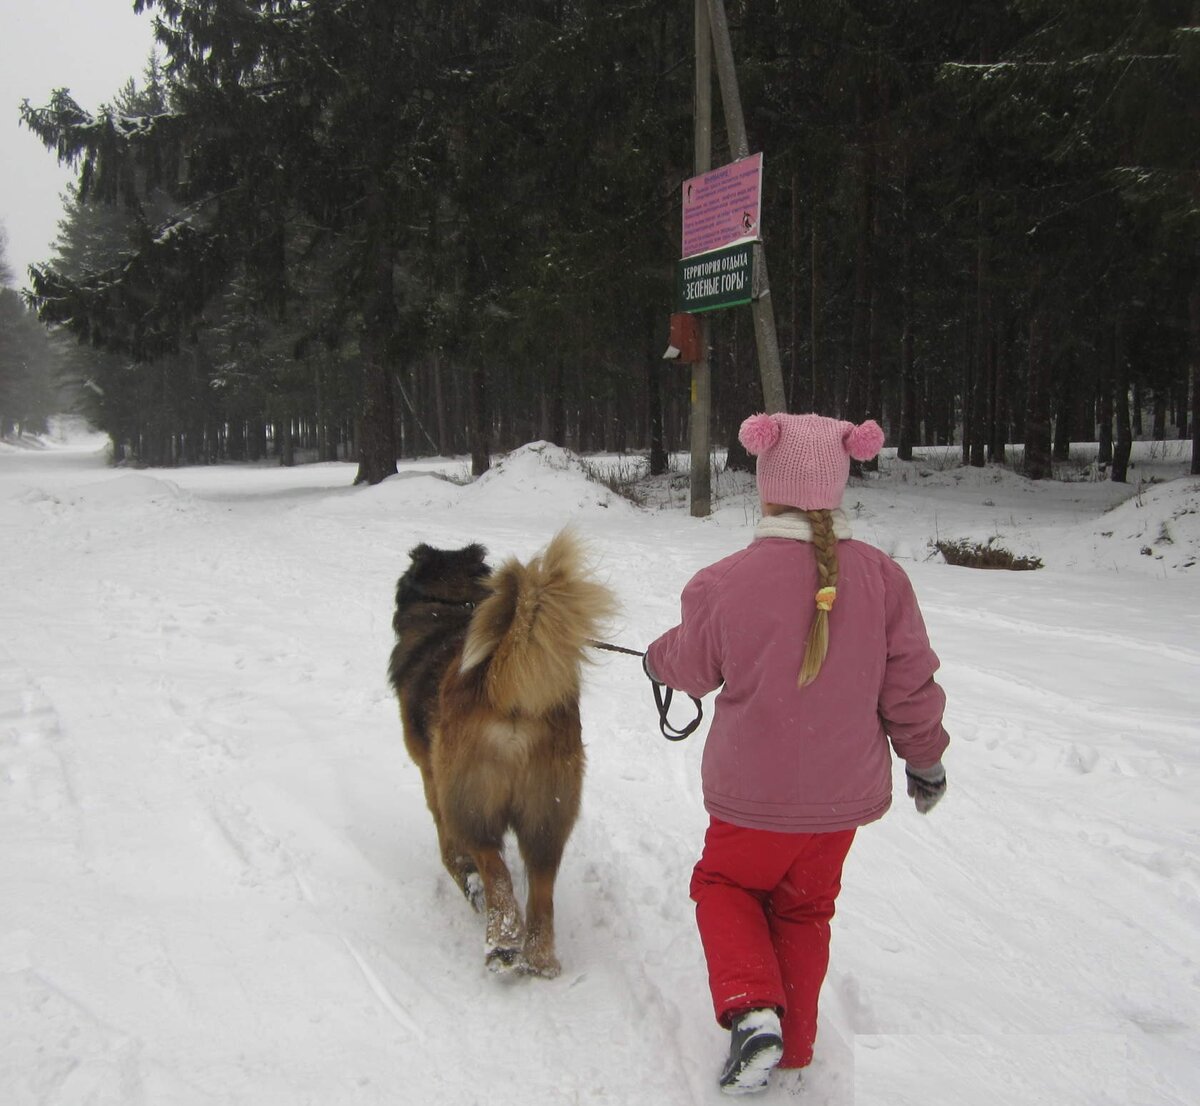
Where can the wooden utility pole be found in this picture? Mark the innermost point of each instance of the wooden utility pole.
(701, 407)
(712, 36)
(765, 338)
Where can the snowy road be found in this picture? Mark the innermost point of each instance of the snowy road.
(219, 882)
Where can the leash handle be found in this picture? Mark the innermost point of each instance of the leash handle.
(662, 697)
(663, 702)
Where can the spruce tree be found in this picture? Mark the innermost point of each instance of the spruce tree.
(282, 114)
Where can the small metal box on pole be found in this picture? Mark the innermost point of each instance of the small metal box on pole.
(684, 344)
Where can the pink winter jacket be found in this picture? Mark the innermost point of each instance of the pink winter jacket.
(804, 759)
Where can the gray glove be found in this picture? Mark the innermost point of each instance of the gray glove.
(926, 786)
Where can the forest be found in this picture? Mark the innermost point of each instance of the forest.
(30, 362)
(363, 230)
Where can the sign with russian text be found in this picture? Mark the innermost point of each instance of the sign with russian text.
(722, 207)
(721, 278)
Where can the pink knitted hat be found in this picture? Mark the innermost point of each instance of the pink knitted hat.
(804, 460)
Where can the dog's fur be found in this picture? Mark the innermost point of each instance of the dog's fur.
(487, 670)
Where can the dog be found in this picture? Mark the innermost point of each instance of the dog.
(486, 667)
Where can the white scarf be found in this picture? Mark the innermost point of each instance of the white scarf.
(795, 525)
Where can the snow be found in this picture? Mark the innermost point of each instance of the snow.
(219, 881)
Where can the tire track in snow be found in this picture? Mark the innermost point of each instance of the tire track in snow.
(35, 776)
(380, 990)
(1043, 701)
(642, 818)
(1024, 629)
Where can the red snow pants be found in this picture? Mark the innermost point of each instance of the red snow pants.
(764, 901)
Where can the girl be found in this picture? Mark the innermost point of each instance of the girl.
(823, 655)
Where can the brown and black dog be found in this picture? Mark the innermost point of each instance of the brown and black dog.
(487, 670)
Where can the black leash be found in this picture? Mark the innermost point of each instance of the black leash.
(662, 697)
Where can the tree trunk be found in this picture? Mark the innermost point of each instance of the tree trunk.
(1062, 419)
(855, 409)
(740, 391)
(909, 421)
(410, 442)
(983, 380)
(985, 408)
(377, 414)
(1120, 376)
(654, 404)
(858, 369)
(1038, 464)
(376, 424)
(795, 387)
(235, 441)
(909, 416)
(481, 420)
(321, 414)
(1000, 400)
(967, 381)
(439, 402)
(1159, 428)
(258, 438)
(377, 420)
(817, 393)
(874, 407)
(1104, 400)
(1194, 350)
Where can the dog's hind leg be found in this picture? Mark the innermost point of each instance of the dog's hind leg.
(542, 840)
(539, 955)
(543, 822)
(463, 869)
(455, 856)
(505, 937)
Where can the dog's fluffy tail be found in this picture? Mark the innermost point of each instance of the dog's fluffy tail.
(532, 630)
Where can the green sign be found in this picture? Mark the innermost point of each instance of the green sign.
(720, 278)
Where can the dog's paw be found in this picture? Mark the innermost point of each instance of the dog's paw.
(472, 889)
(505, 960)
(539, 960)
(547, 969)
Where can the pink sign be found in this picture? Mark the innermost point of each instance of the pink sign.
(722, 207)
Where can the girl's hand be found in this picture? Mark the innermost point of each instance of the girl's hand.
(926, 786)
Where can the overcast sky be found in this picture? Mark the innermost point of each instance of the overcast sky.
(90, 47)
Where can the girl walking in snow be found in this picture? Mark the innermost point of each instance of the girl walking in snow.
(820, 647)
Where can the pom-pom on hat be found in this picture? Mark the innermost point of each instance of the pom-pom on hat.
(804, 460)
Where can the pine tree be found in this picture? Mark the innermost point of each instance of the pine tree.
(280, 113)
(1078, 93)
(29, 369)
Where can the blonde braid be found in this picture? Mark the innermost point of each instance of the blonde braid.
(824, 543)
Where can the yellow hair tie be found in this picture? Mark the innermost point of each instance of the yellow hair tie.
(825, 598)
